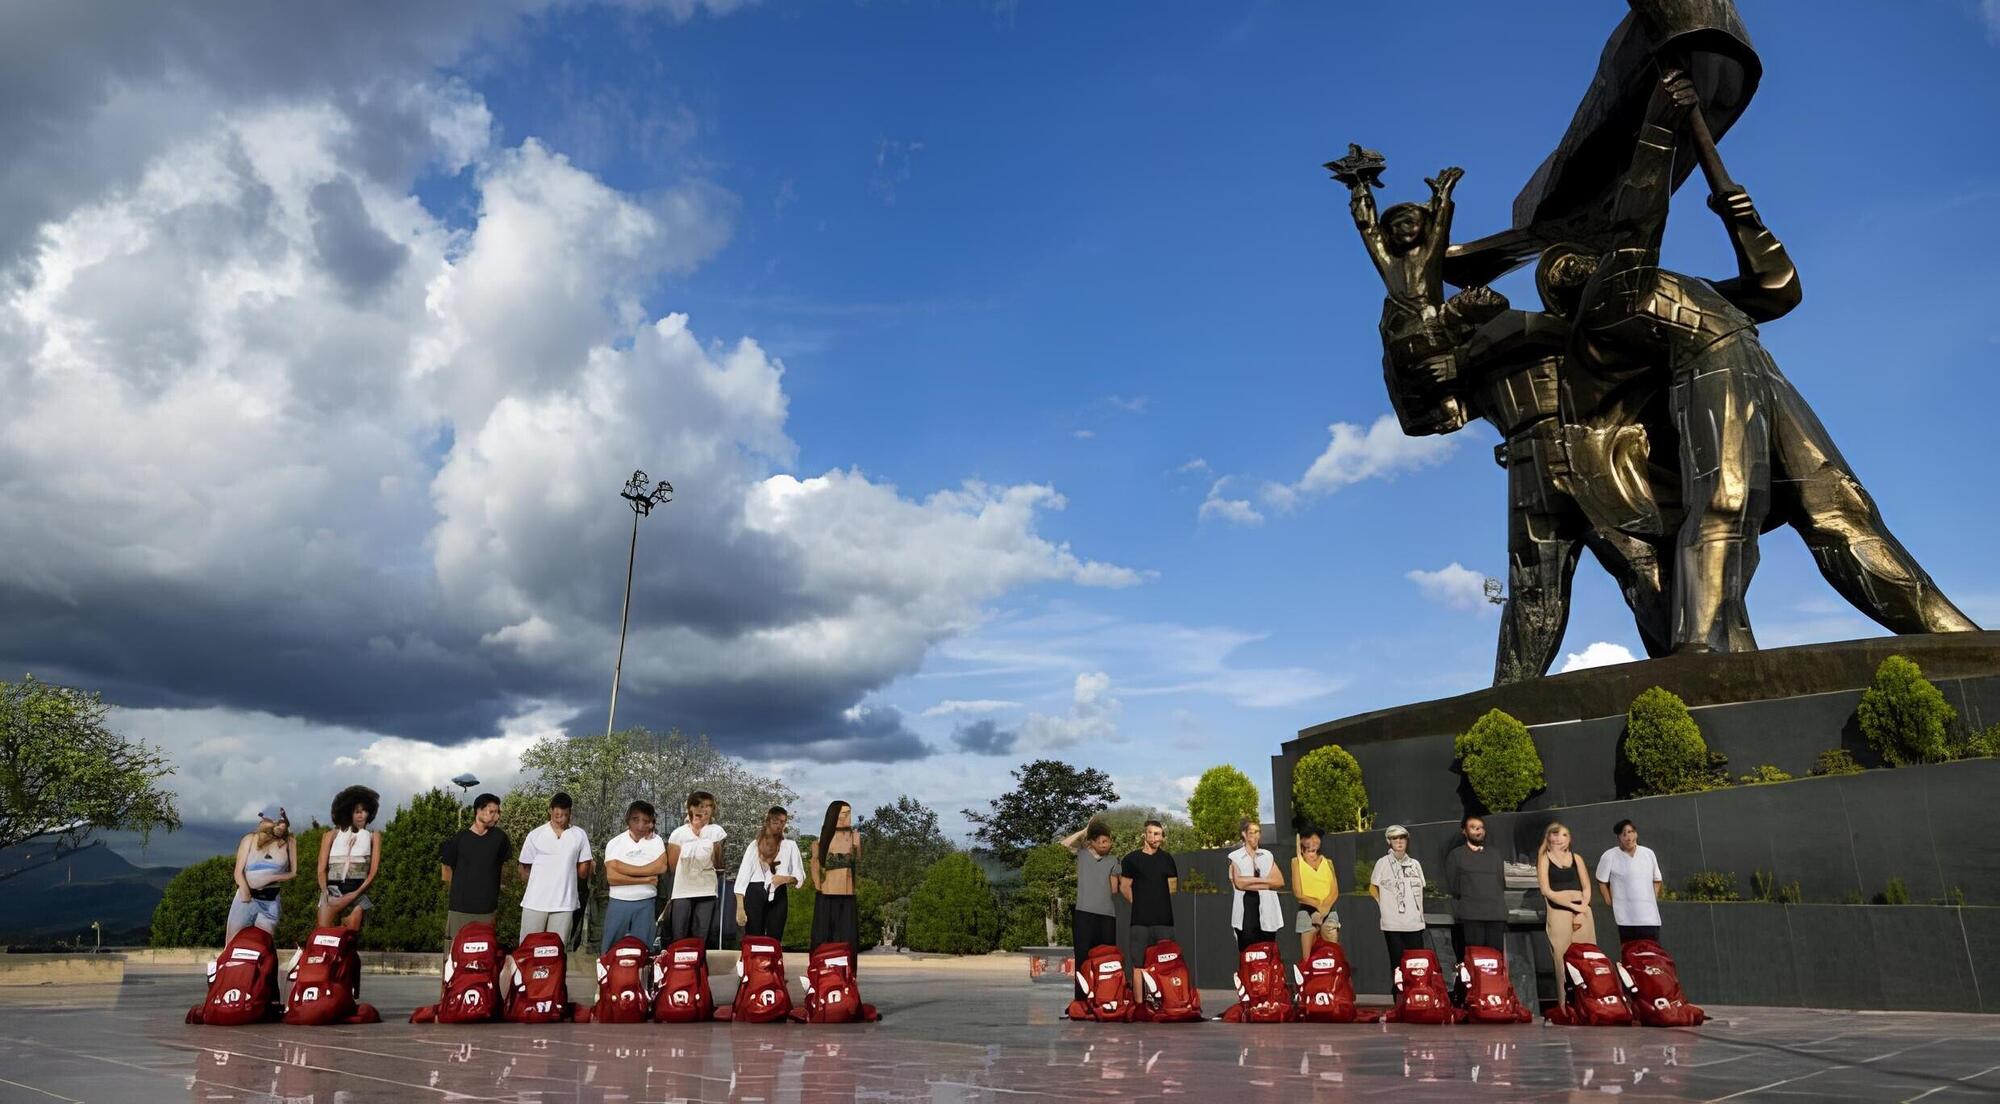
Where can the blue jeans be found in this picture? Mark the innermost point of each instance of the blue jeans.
(623, 918)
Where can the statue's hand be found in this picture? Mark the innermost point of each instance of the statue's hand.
(1735, 207)
(1444, 182)
(1674, 98)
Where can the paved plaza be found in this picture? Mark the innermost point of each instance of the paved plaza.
(961, 1032)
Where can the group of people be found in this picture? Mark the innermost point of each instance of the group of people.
(556, 858)
(1474, 878)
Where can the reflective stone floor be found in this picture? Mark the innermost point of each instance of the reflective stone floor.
(954, 1035)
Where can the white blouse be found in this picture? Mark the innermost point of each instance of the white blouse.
(752, 871)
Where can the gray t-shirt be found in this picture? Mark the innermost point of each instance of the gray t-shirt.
(1477, 881)
(1093, 882)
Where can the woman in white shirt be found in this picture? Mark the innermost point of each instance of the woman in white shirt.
(1254, 874)
(771, 866)
(350, 853)
(694, 850)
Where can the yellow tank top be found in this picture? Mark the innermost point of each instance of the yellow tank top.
(1310, 883)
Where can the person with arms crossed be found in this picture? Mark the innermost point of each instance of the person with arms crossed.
(771, 866)
(554, 857)
(1253, 872)
(1398, 888)
(1093, 922)
(1476, 877)
(1148, 880)
(694, 853)
(1631, 880)
(471, 862)
(633, 862)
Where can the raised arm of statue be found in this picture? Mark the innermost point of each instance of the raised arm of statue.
(1639, 207)
(1362, 206)
(1437, 230)
(1766, 284)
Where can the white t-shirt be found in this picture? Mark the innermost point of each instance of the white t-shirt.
(752, 871)
(1631, 877)
(552, 867)
(623, 848)
(695, 877)
(1399, 893)
(1254, 865)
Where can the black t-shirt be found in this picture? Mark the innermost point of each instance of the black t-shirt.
(1477, 882)
(475, 862)
(1151, 905)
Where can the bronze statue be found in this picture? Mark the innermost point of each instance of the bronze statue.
(1642, 417)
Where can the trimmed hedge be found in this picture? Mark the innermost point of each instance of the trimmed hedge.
(1222, 798)
(1664, 745)
(1499, 759)
(1328, 791)
(1904, 716)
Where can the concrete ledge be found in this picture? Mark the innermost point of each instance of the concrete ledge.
(62, 969)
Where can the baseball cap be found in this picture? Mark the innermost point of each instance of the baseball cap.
(1395, 830)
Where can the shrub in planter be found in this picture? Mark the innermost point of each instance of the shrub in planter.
(1221, 798)
(1895, 893)
(1327, 790)
(1499, 758)
(952, 911)
(1765, 773)
(1712, 885)
(1979, 744)
(1664, 745)
(1834, 761)
(1904, 716)
(1764, 887)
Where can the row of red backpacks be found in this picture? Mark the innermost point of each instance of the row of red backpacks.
(1643, 989)
(323, 983)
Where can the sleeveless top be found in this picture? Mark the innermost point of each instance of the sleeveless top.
(1565, 877)
(347, 856)
(837, 869)
(1316, 884)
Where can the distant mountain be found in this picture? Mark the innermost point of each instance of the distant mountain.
(54, 898)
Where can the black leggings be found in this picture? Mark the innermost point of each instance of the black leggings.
(765, 911)
(1400, 941)
(1090, 931)
(1249, 935)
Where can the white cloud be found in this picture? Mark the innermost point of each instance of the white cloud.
(951, 707)
(1380, 451)
(1601, 653)
(1196, 466)
(1092, 718)
(1083, 434)
(1235, 511)
(1454, 586)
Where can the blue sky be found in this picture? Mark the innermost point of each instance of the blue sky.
(1086, 247)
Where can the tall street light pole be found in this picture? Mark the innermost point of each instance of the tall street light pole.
(642, 497)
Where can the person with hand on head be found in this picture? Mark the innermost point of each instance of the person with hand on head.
(834, 870)
(1094, 921)
(1148, 879)
(1398, 888)
(1630, 877)
(1317, 887)
(1563, 879)
(265, 860)
(633, 862)
(771, 866)
(350, 854)
(470, 863)
(1253, 873)
(554, 857)
(694, 853)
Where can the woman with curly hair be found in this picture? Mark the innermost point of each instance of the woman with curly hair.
(350, 852)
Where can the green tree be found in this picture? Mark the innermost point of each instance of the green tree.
(901, 841)
(1664, 745)
(64, 775)
(1221, 799)
(194, 908)
(952, 911)
(870, 898)
(409, 895)
(799, 917)
(1327, 790)
(1904, 716)
(1050, 800)
(1040, 915)
(1834, 761)
(298, 901)
(1499, 758)
(1128, 827)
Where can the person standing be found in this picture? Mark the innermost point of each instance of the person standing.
(694, 853)
(1398, 888)
(771, 867)
(836, 856)
(1476, 878)
(265, 860)
(1631, 879)
(1093, 922)
(633, 862)
(1316, 887)
(1253, 872)
(471, 862)
(1563, 879)
(1148, 880)
(554, 857)
(350, 854)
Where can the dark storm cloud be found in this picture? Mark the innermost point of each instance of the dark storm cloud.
(984, 737)
(351, 247)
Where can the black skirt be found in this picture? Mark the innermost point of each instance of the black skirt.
(836, 919)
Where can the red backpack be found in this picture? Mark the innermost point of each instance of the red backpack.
(1326, 987)
(541, 981)
(1262, 995)
(680, 983)
(1422, 996)
(761, 996)
(1596, 989)
(326, 981)
(242, 982)
(1656, 986)
(1106, 997)
(471, 992)
(1489, 992)
(1167, 993)
(832, 994)
(624, 983)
